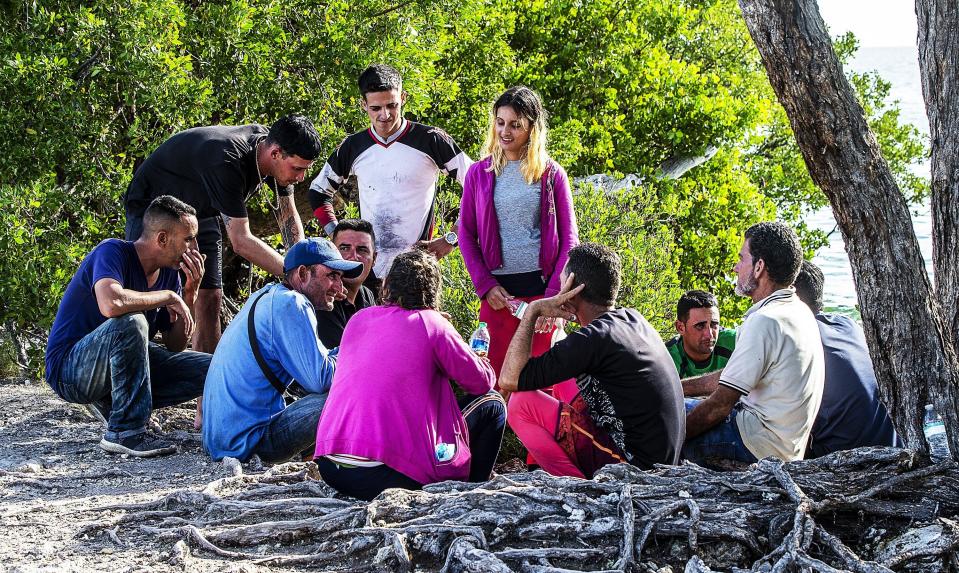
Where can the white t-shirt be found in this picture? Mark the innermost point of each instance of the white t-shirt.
(397, 182)
(779, 369)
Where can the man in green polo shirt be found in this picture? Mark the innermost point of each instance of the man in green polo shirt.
(701, 345)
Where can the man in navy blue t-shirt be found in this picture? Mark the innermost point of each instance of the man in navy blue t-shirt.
(851, 414)
(100, 351)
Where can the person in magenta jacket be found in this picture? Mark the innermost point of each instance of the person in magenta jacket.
(516, 220)
(391, 419)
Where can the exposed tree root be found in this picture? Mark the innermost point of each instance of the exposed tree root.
(872, 510)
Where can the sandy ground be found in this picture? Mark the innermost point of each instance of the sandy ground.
(54, 476)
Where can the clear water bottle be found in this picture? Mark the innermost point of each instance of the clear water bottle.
(479, 341)
(935, 431)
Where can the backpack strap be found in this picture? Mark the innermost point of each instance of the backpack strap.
(255, 345)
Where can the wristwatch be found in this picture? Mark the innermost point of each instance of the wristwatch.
(451, 238)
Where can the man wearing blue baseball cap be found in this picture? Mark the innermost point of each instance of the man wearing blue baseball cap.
(271, 343)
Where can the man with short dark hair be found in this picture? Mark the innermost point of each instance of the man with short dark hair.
(852, 414)
(629, 406)
(216, 170)
(100, 351)
(356, 242)
(271, 342)
(701, 345)
(764, 402)
(396, 163)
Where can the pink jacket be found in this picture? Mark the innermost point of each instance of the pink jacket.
(479, 236)
(391, 399)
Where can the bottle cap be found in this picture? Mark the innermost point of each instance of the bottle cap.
(482, 325)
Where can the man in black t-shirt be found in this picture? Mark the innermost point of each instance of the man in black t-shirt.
(630, 405)
(355, 240)
(215, 170)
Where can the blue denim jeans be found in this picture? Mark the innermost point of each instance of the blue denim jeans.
(292, 430)
(721, 441)
(117, 367)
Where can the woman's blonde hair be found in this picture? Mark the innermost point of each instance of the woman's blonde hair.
(527, 104)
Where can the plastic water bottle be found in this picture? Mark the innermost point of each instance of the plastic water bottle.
(935, 431)
(479, 341)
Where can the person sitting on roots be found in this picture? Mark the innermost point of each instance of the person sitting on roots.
(392, 419)
(517, 223)
(100, 351)
(630, 404)
(851, 414)
(272, 342)
(764, 402)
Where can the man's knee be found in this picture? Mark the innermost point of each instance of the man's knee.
(133, 325)
(519, 408)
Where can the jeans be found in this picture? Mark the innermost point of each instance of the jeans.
(116, 366)
(721, 441)
(292, 430)
(486, 420)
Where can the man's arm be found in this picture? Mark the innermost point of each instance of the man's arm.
(518, 353)
(291, 227)
(711, 411)
(252, 248)
(113, 301)
(701, 385)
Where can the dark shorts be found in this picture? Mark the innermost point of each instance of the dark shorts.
(209, 239)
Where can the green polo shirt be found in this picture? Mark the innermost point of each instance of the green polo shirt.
(687, 367)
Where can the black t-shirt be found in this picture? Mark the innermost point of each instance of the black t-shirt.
(330, 324)
(212, 169)
(627, 379)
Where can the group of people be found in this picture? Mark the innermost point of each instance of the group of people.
(348, 360)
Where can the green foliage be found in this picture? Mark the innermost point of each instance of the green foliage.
(91, 88)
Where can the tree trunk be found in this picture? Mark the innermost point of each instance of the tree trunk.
(903, 323)
(939, 66)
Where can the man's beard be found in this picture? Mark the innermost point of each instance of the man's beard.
(747, 288)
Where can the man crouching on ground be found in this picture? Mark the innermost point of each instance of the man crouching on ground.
(100, 352)
(269, 344)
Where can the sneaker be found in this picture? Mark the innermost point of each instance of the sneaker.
(141, 445)
(100, 411)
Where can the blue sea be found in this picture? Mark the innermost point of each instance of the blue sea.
(900, 67)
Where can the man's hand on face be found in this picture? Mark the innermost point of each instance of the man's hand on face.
(340, 295)
(438, 247)
(558, 306)
(191, 263)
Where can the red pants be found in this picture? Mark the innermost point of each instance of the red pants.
(502, 326)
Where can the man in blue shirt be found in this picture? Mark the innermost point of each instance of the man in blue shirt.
(851, 414)
(244, 412)
(100, 351)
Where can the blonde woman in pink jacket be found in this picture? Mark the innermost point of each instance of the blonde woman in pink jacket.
(516, 220)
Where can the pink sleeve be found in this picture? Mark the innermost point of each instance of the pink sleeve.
(454, 358)
(483, 279)
(566, 230)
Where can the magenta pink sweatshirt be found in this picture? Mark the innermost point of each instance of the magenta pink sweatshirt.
(391, 399)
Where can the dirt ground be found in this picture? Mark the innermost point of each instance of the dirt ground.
(54, 476)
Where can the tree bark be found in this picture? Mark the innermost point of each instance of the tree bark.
(906, 333)
(939, 68)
